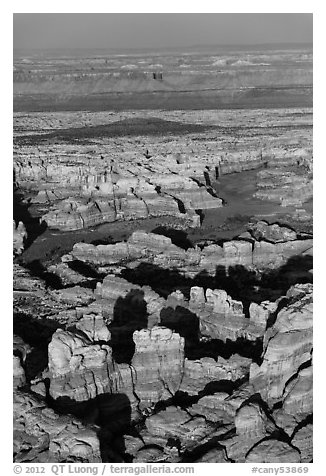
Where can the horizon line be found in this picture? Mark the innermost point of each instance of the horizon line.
(204, 45)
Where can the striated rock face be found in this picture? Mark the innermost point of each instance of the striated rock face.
(41, 435)
(173, 429)
(273, 451)
(78, 370)
(221, 317)
(224, 318)
(200, 373)
(303, 440)
(252, 426)
(251, 422)
(19, 237)
(113, 199)
(94, 327)
(261, 313)
(158, 250)
(287, 345)
(216, 408)
(297, 397)
(158, 363)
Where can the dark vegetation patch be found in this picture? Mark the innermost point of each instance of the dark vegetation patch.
(127, 127)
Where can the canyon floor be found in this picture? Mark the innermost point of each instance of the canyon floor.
(163, 255)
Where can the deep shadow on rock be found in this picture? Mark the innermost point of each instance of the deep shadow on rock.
(109, 413)
(38, 334)
(129, 314)
(186, 323)
(239, 282)
(37, 269)
(178, 237)
(34, 226)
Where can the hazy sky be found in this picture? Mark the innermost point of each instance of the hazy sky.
(139, 30)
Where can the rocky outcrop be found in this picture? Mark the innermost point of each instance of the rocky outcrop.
(227, 400)
(23, 281)
(75, 295)
(252, 426)
(158, 363)
(78, 369)
(158, 250)
(116, 293)
(18, 372)
(273, 451)
(131, 199)
(287, 345)
(273, 233)
(175, 423)
(221, 312)
(200, 373)
(94, 327)
(285, 187)
(255, 439)
(303, 440)
(215, 408)
(221, 317)
(272, 256)
(261, 313)
(19, 237)
(297, 396)
(41, 435)
(20, 352)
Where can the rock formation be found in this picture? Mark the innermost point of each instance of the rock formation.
(163, 309)
(41, 435)
(19, 237)
(159, 250)
(158, 363)
(287, 345)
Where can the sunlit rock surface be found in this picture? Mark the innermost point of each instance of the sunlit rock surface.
(19, 373)
(302, 439)
(273, 451)
(158, 362)
(160, 251)
(287, 345)
(78, 370)
(41, 435)
(19, 237)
